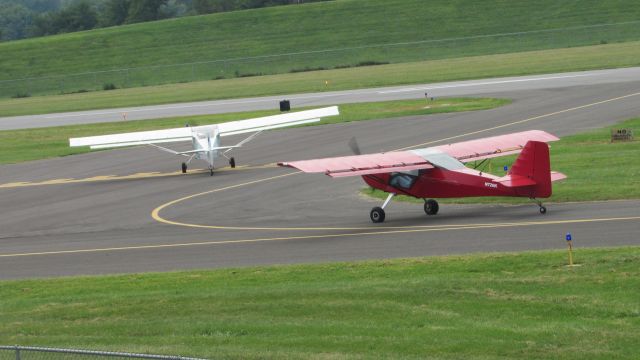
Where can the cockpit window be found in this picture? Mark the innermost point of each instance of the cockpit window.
(402, 180)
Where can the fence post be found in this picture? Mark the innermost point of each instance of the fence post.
(17, 352)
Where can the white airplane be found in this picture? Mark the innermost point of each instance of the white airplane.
(205, 139)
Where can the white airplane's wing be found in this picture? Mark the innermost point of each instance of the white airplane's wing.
(186, 133)
(275, 121)
(133, 138)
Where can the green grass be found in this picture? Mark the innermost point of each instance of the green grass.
(146, 53)
(535, 62)
(596, 168)
(485, 306)
(40, 143)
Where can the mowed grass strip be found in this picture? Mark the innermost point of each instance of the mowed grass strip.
(487, 306)
(40, 143)
(475, 67)
(597, 169)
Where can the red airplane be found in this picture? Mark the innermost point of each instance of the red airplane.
(439, 172)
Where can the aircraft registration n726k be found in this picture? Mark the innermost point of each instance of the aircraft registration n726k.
(205, 139)
(440, 172)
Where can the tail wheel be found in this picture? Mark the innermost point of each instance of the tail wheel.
(543, 210)
(431, 207)
(232, 162)
(184, 168)
(377, 214)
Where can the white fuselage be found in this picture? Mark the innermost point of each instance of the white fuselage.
(206, 138)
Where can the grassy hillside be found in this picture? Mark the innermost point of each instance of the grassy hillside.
(473, 67)
(450, 28)
(498, 306)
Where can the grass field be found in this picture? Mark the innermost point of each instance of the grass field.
(243, 43)
(596, 168)
(40, 143)
(486, 306)
(536, 62)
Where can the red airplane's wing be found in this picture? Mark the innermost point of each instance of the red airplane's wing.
(362, 164)
(495, 146)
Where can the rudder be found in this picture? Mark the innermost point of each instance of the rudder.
(533, 163)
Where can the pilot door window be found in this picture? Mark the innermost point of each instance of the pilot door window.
(402, 180)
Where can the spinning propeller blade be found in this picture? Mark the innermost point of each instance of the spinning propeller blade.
(353, 144)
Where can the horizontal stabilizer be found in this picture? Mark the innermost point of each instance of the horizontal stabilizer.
(205, 150)
(556, 176)
(515, 181)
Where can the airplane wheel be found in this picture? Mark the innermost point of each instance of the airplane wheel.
(232, 162)
(184, 168)
(211, 172)
(543, 210)
(431, 207)
(377, 214)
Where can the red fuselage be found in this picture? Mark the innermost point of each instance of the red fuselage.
(440, 183)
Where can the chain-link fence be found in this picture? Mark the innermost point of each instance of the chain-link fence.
(324, 59)
(41, 353)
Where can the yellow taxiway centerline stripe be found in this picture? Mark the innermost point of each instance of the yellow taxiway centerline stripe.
(142, 175)
(225, 242)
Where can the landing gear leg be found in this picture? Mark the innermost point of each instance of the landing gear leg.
(184, 164)
(543, 210)
(431, 207)
(377, 214)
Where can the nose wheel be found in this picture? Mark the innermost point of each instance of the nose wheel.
(232, 162)
(184, 168)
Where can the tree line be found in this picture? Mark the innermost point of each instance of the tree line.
(21, 19)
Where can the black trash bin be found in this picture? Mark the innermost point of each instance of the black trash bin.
(285, 105)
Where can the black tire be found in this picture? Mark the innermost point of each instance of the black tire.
(184, 168)
(211, 172)
(377, 214)
(543, 210)
(232, 162)
(431, 207)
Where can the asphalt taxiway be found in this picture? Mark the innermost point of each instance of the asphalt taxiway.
(130, 210)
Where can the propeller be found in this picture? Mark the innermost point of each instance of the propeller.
(353, 144)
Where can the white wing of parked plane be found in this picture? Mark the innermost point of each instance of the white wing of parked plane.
(187, 133)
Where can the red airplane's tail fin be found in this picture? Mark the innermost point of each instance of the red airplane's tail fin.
(533, 164)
